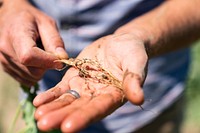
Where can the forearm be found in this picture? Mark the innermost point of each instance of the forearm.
(3, 1)
(9, 1)
(173, 25)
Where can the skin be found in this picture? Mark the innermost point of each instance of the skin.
(162, 30)
(145, 37)
(94, 96)
(22, 27)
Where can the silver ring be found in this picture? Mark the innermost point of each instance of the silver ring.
(74, 93)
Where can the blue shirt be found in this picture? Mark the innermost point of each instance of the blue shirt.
(81, 22)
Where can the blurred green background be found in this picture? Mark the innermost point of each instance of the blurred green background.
(192, 118)
(9, 90)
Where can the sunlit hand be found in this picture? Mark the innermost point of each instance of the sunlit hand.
(23, 30)
(124, 56)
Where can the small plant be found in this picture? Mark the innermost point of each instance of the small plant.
(27, 109)
(93, 71)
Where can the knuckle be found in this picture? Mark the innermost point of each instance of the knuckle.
(24, 15)
(46, 20)
(24, 57)
(51, 21)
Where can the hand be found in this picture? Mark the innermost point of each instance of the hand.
(124, 56)
(22, 28)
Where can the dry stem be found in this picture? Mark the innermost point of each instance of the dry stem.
(92, 70)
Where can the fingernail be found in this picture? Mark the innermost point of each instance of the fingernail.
(59, 66)
(61, 53)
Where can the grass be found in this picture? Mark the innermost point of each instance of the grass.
(9, 90)
(192, 118)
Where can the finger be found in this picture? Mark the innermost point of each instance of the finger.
(57, 91)
(23, 39)
(17, 77)
(48, 96)
(53, 119)
(29, 73)
(15, 71)
(36, 57)
(50, 37)
(132, 88)
(134, 74)
(96, 109)
(63, 100)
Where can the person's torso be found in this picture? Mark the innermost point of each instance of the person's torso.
(83, 21)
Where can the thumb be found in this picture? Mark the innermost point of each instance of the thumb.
(132, 85)
(50, 37)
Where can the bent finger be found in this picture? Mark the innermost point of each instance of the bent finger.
(133, 88)
(29, 73)
(51, 38)
(18, 77)
(23, 39)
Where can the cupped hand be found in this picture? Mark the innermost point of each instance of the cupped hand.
(124, 56)
(29, 42)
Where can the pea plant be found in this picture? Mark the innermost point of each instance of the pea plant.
(27, 109)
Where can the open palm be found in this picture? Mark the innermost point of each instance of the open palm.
(124, 56)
